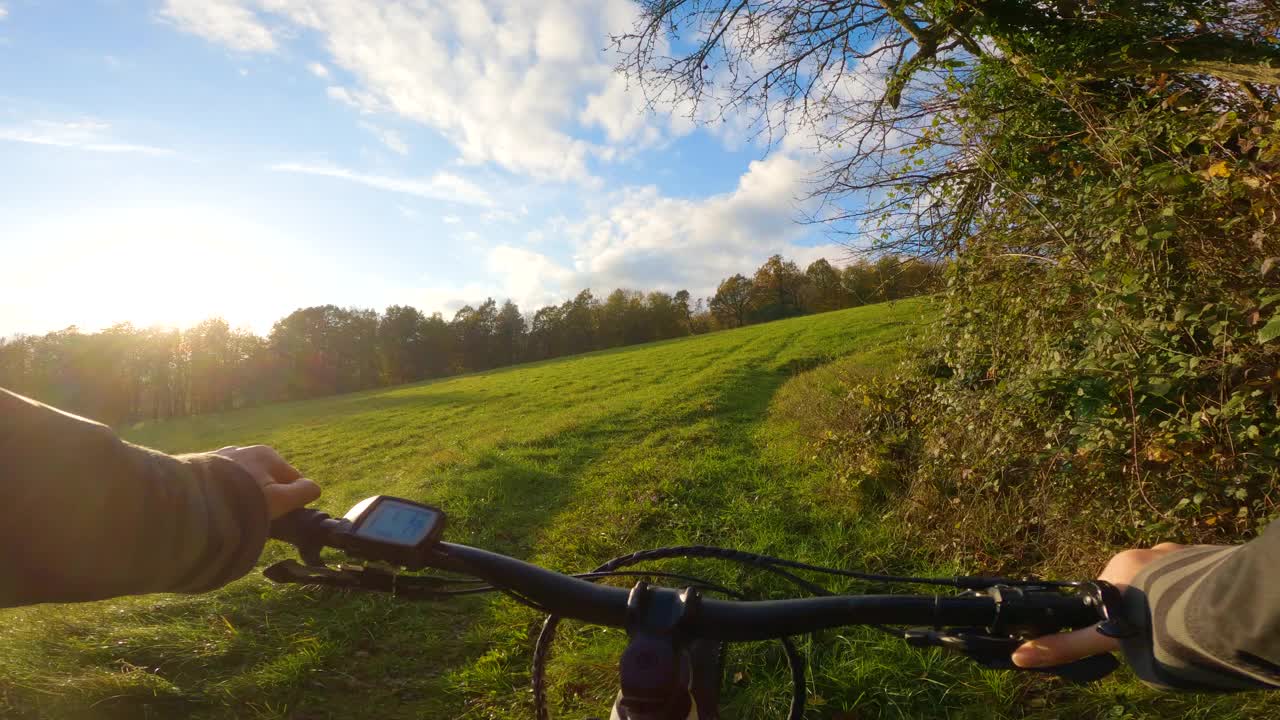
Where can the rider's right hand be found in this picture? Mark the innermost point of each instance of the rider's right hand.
(1065, 647)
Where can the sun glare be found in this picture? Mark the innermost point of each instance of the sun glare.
(171, 267)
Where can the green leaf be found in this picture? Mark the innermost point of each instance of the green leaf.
(1271, 330)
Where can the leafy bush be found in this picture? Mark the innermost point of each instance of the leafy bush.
(1106, 369)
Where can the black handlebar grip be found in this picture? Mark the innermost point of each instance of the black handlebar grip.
(297, 526)
(304, 529)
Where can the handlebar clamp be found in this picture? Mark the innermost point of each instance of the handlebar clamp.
(655, 669)
(660, 613)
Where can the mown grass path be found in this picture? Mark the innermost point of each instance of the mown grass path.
(566, 463)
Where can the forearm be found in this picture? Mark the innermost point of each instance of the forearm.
(89, 516)
(1210, 617)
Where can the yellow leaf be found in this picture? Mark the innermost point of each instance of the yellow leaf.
(1218, 169)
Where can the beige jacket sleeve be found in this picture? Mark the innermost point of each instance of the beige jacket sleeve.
(1210, 617)
(85, 515)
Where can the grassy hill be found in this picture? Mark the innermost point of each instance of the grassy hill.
(567, 463)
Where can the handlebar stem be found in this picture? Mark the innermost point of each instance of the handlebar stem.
(655, 671)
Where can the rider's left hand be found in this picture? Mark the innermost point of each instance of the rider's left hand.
(283, 487)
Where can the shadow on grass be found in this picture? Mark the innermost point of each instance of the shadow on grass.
(507, 495)
(284, 653)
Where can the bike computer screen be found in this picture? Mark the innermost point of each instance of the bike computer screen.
(397, 522)
(385, 527)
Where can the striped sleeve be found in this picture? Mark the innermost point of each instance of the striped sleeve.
(1209, 617)
(88, 516)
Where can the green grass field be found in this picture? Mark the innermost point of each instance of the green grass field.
(566, 463)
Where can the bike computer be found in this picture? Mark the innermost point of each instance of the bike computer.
(392, 529)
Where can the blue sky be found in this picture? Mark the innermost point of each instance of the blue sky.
(166, 161)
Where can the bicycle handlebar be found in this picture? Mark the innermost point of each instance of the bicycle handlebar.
(987, 622)
(739, 621)
(1010, 610)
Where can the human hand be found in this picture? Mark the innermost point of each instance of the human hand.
(1062, 648)
(282, 485)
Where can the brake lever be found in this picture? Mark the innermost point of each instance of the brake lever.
(366, 578)
(292, 572)
(995, 653)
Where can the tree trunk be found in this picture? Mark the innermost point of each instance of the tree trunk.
(1220, 57)
(1217, 55)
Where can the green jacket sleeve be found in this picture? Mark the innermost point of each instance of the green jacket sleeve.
(87, 516)
(1210, 617)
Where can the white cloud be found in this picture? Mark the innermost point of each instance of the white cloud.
(620, 110)
(441, 186)
(227, 23)
(520, 85)
(529, 278)
(4, 12)
(499, 214)
(509, 82)
(88, 135)
(390, 138)
(355, 99)
(646, 241)
(643, 240)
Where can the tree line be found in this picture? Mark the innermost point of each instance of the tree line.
(126, 373)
